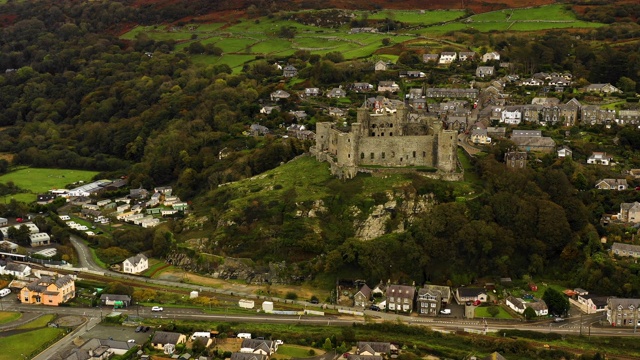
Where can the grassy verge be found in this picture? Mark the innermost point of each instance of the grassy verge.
(7, 317)
(42, 321)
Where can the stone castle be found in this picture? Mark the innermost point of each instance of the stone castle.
(386, 138)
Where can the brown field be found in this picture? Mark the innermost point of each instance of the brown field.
(272, 290)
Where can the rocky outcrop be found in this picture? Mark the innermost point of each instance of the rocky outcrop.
(392, 216)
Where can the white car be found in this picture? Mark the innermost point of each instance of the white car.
(131, 341)
(445, 311)
(156, 308)
(279, 342)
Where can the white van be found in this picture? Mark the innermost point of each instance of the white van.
(244, 336)
(5, 292)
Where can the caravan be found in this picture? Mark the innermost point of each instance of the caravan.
(5, 292)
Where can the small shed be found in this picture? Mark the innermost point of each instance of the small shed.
(193, 294)
(267, 306)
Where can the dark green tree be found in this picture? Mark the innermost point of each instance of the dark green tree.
(556, 301)
(529, 313)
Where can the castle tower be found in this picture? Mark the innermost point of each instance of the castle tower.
(446, 149)
(363, 115)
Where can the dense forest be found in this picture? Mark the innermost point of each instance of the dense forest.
(75, 96)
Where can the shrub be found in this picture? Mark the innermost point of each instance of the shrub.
(291, 296)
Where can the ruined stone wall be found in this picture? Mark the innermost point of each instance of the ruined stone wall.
(397, 151)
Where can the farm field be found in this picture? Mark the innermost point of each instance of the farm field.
(36, 335)
(246, 40)
(40, 180)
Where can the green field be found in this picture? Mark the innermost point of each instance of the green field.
(7, 317)
(296, 351)
(481, 312)
(39, 180)
(21, 346)
(245, 40)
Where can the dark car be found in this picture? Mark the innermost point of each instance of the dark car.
(139, 328)
(314, 301)
(374, 307)
(146, 328)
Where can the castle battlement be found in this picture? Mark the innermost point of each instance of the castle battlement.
(392, 139)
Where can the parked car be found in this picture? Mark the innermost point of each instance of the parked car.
(445, 311)
(146, 328)
(558, 319)
(477, 302)
(374, 307)
(139, 328)
(279, 342)
(156, 308)
(314, 301)
(131, 341)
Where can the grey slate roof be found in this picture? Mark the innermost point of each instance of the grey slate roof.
(625, 247)
(165, 337)
(247, 356)
(134, 260)
(374, 347)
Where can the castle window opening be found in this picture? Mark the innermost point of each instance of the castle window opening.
(372, 156)
(361, 156)
(393, 154)
(373, 133)
(383, 154)
(390, 134)
(414, 154)
(424, 154)
(349, 156)
(381, 134)
(390, 125)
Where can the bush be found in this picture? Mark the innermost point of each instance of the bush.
(291, 296)
(312, 352)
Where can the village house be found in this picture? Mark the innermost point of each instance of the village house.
(625, 250)
(135, 264)
(336, 112)
(466, 55)
(599, 158)
(390, 86)
(43, 199)
(115, 300)
(363, 30)
(258, 130)
(612, 184)
(380, 66)
(594, 115)
(361, 87)
(400, 298)
(519, 306)
(20, 271)
(511, 115)
(452, 93)
(430, 58)
(496, 132)
(268, 109)
(279, 95)
(247, 356)
(485, 71)
(479, 136)
(335, 93)
(164, 340)
(564, 152)
(311, 92)
(49, 291)
(592, 304)
(372, 348)
(532, 140)
(464, 294)
(516, 159)
(362, 297)
(629, 117)
(289, 71)
(447, 57)
(630, 212)
(490, 56)
(623, 312)
(258, 346)
(98, 349)
(433, 298)
(601, 88)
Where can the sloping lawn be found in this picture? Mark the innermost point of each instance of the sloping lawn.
(21, 346)
(7, 317)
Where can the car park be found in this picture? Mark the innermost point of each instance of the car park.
(156, 308)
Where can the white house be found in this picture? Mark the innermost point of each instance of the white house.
(511, 116)
(40, 239)
(518, 305)
(8, 246)
(135, 264)
(564, 152)
(447, 57)
(599, 158)
(20, 271)
(490, 56)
